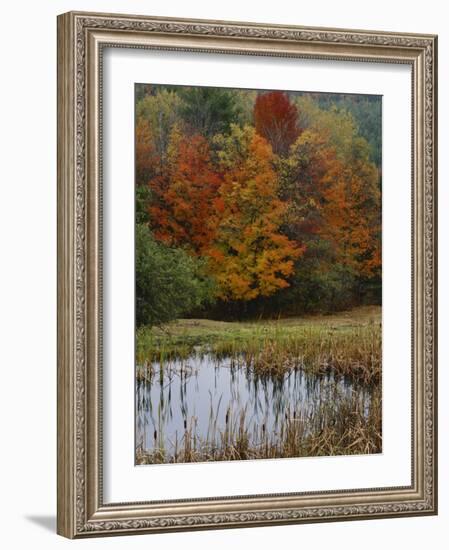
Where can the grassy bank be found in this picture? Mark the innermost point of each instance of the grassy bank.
(348, 343)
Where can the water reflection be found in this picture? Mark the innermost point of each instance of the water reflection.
(210, 397)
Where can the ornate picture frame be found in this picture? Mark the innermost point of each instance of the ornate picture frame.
(82, 39)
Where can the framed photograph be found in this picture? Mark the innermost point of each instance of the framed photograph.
(246, 274)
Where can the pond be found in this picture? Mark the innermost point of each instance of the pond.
(211, 401)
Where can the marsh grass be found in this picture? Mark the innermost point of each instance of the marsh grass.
(345, 345)
(348, 345)
(334, 430)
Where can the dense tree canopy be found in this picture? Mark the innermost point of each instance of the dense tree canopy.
(255, 202)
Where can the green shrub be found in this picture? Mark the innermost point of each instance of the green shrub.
(169, 282)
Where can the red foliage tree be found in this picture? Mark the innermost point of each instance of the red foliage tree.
(276, 119)
(184, 195)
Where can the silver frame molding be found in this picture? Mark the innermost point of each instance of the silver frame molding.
(81, 39)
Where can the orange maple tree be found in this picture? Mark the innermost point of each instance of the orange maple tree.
(250, 257)
(184, 194)
(147, 159)
(350, 213)
(333, 198)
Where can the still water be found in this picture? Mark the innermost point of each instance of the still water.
(208, 396)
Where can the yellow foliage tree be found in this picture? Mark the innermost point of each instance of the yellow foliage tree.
(249, 257)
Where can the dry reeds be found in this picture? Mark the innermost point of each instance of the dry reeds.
(270, 349)
(354, 353)
(334, 430)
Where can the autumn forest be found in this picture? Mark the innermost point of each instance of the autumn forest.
(258, 260)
